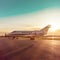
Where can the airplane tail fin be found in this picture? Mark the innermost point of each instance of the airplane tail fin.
(45, 30)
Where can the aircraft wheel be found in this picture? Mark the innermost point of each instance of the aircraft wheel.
(31, 38)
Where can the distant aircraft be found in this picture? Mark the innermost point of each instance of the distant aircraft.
(30, 34)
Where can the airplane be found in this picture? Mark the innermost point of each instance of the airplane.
(30, 34)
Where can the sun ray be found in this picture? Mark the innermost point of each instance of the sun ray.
(54, 26)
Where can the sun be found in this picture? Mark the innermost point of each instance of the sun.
(54, 26)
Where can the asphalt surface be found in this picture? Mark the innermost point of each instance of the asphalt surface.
(30, 50)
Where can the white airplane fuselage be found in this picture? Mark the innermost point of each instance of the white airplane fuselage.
(30, 34)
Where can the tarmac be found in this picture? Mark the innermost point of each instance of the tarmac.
(29, 49)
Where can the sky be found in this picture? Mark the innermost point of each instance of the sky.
(29, 14)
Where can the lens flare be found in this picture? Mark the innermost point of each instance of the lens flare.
(54, 26)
